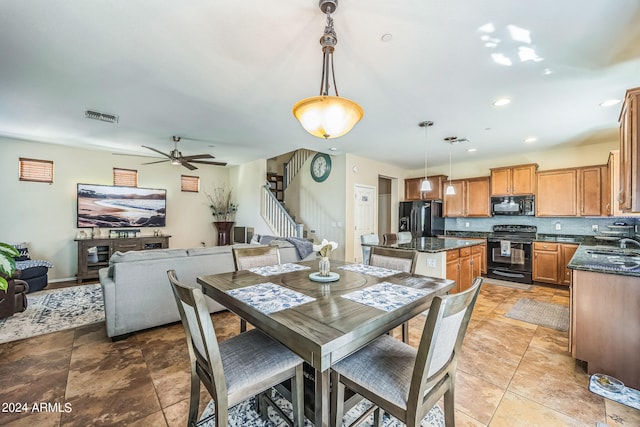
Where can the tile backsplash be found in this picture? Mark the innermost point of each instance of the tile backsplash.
(568, 225)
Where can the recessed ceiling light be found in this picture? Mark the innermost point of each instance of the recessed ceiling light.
(547, 71)
(501, 102)
(386, 37)
(609, 102)
(530, 139)
(333, 149)
(472, 150)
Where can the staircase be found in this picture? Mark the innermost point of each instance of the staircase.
(272, 209)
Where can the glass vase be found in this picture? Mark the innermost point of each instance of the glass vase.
(324, 266)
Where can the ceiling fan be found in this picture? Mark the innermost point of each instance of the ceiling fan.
(176, 157)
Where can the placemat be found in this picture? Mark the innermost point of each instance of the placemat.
(628, 396)
(370, 270)
(272, 270)
(386, 296)
(269, 297)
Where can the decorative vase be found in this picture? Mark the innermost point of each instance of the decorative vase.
(324, 266)
(224, 232)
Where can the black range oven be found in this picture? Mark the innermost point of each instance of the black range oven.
(510, 251)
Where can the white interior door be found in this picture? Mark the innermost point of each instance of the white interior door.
(364, 216)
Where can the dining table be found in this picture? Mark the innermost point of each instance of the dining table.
(324, 318)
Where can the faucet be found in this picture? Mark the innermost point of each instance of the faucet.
(623, 242)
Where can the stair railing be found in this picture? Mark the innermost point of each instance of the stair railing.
(278, 219)
(292, 167)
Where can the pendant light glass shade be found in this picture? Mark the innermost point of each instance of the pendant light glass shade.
(426, 185)
(327, 116)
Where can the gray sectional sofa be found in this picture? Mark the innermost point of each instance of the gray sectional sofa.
(137, 293)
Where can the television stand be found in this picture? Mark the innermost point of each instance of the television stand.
(89, 264)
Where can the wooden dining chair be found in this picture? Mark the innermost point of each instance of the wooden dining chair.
(248, 257)
(237, 369)
(395, 259)
(389, 238)
(401, 380)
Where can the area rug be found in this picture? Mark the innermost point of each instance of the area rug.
(54, 310)
(507, 284)
(554, 316)
(244, 415)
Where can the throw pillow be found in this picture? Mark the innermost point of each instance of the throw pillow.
(24, 252)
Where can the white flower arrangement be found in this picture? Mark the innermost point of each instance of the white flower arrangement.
(325, 247)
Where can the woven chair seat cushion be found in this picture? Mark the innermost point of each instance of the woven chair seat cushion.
(252, 357)
(384, 367)
(251, 261)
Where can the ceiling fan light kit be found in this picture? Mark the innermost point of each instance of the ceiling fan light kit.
(326, 116)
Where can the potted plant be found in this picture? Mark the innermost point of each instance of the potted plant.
(7, 264)
(224, 211)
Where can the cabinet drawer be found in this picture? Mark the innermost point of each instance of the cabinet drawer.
(465, 251)
(545, 246)
(453, 254)
(476, 249)
(126, 246)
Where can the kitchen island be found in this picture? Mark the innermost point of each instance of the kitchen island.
(605, 311)
(447, 258)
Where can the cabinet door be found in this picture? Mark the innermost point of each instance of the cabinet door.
(624, 196)
(454, 204)
(590, 191)
(523, 179)
(465, 272)
(500, 181)
(545, 263)
(412, 188)
(476, 264)
(436, 188)
(477, 197)
(483, 254)
(453, 269)
(566, 253)
(557, 193)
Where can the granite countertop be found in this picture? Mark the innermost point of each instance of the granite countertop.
(433, 244)
(606, 259)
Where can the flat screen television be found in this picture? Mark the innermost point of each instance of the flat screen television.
(108, 206)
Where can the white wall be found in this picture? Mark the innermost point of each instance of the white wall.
(44, 215)
(247, 182)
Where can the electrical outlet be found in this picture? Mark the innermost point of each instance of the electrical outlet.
(594, 228)
(466, 224)
(558, 226)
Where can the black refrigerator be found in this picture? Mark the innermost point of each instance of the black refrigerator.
(423, 219)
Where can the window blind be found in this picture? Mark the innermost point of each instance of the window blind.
(36, 170)
(190, 183)
(125, 177)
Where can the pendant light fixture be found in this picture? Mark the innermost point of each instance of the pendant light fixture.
(450, 191)
(327, 116)
(426, 184)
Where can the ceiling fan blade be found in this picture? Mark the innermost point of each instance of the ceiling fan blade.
(157, 151)
(134, 155)
(188, 165)
(202, 162)
(159, 161)
(198, 156)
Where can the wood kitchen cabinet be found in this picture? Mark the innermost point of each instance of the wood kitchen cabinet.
(550, 262)
(582, 191)
(412, 188)
(629, 193)
(546, 259)
(471, 198)
(513, 180)
(463, 265)
(604, 319)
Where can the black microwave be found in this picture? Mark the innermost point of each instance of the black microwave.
(513, 205)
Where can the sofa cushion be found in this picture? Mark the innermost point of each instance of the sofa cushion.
(210, 250)
(133, 256)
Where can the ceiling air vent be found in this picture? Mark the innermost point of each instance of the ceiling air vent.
(111, 118)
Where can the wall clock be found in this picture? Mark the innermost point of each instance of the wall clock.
(320, 167)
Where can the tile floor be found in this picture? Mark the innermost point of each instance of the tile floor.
(510, 373)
